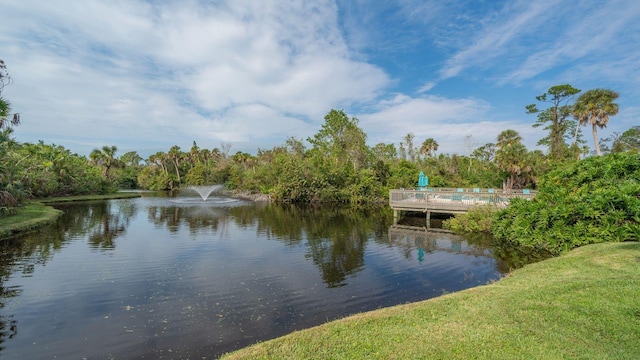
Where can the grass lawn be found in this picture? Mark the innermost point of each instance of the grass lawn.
(29, 218)
(122, 195)
(585, 304)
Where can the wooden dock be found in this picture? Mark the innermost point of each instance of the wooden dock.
(450, 200)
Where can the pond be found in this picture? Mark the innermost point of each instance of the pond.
(177, 277)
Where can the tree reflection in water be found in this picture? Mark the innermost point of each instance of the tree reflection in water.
(22, 255)
(336, 237)
(103, 220)
(109, 223)
(8, 326)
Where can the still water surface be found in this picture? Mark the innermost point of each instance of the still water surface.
(157, 277)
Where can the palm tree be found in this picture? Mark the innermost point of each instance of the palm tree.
(6, 118)
(511, 156)
(507, 138)
(159, 159)
(411, 151)
(429, 147)
(175, 156)
(215, 156)
(105, 157)
(243, 159)
(594, 107)
(194, 155)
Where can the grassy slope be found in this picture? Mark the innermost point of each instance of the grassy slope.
(31, 217)
(585, 304)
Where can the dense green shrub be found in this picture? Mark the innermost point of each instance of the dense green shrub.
(591, 201)
(476, 220)
(200, 174)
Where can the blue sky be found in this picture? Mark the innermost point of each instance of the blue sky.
(147, 75)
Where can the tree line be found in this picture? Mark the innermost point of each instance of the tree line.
(333, 165)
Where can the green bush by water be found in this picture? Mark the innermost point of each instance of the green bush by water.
(476, 220)
(591, 201)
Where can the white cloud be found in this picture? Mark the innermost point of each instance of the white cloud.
(424, 117)
(524, 39)
(588, 34)
(249, 123)
(496, 37)
(130, 71)
(147, 75)
(426, 87)
(448, 121)
(427, 110)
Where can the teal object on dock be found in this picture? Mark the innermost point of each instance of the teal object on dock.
(423, 180)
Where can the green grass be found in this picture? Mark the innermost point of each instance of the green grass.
(585, 304)
(29, 218)
(88, 197)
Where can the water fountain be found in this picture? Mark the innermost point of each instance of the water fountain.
(206, 198)
(205, 190)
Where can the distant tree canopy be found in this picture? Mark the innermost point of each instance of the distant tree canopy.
(333, 165)
(11, 195)
(628, 141)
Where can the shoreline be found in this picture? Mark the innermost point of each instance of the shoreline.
(246, 195)
(30, 218)
(74, 198)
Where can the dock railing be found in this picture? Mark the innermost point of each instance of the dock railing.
(452, 200)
